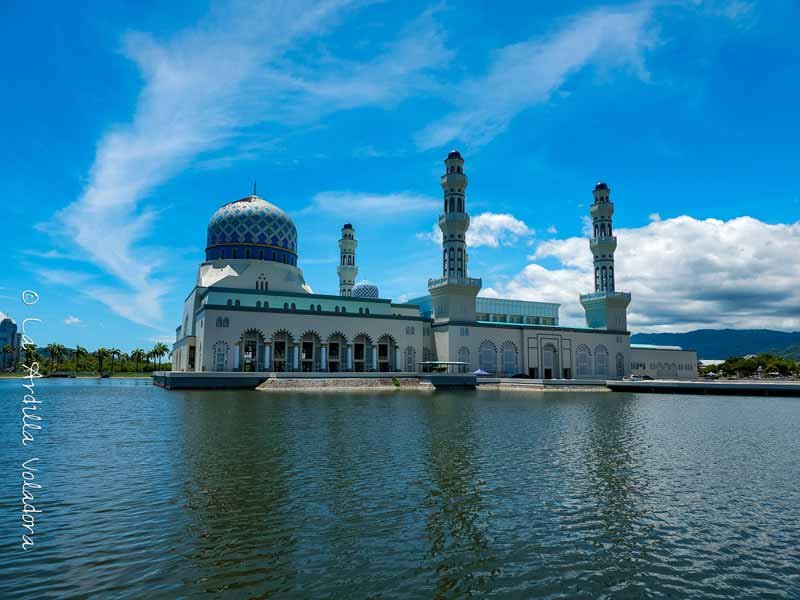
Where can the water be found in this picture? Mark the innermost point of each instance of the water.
(155, 494)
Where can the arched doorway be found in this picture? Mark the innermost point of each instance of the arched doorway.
(386, 353)
(509, 355)
(550, 362)
(281, 347)
(251, 351)
(411, 359)
(337, 349)
(487, 357)
(310, 345)
(362, 353)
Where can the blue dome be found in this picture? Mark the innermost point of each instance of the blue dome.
(252, 228)
(365, 289)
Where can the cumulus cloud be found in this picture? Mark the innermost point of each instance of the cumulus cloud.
(683, 273)
(528, 73)
(72, 320)
(202, 87)
(487, 229)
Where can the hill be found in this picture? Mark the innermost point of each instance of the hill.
(724, 343)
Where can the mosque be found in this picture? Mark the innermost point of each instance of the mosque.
(252, 311)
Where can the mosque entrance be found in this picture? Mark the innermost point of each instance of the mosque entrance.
(359, 351)
(308, 357)
(279, 358)
(250, 355)
(333, 357)
(549, 361)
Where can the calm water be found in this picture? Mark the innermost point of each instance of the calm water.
(155, 494)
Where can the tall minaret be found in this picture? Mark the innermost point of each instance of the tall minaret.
(347, 268)
(453, 295)
(605, 308)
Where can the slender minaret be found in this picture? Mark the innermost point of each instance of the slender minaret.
(347, 268)
(453, 295)
(605, 308)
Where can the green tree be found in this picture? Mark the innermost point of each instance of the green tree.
(159, 351)
(80, 352)
(101, 354)
(138, 355)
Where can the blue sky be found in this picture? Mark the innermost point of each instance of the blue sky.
(128, 124)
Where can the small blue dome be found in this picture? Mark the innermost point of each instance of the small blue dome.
(252, 228)
(365, 289)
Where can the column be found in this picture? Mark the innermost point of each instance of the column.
(267, 348)
(349, 357)
(397, 359)
(323, 357)
(295, 357)
(235, 365)
(374, 350)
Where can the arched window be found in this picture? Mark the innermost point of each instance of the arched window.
(611, 278)
(226, 322)
(258, 303)
(444, 262)
(583, 359)
(219, 321)
(237, 303)
(361, 311)
(293, 306)
(460, 268)
(597, 279)
(311, 308)
(230, 302)
(601, 361)
(410, 356)
(461, 205)
(452, 204)
(452, 263)
(605, 279)
(609, 230)
(595, 231)
(285, 306)
(620, 365)
(487, 356)
(602, 230)
(509, 358)
(344, 309)
(366, 310)
(319, 307)
(463, 356)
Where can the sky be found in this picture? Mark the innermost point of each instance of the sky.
(128, 123)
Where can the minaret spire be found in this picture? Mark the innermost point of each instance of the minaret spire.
(347, 268)
(254, 188)
(605, 308)
(453, 295)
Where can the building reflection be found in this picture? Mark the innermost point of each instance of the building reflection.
(457, 514)
(622, 530)
(236, 476)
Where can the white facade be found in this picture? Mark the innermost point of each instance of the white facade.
(251, 309)
(663, 362)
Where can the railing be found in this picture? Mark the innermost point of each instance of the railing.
(607, 294)
(453, 280)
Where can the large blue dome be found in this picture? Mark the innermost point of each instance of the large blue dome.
(365, 289)
(252, 228)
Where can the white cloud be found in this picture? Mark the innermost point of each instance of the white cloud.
(683, 273)
(487, 229)
(654, 216)
(202, 87)
(528, 73)
(552, 230)
(359, 205)
(72, 320)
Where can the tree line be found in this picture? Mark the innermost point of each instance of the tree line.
(763, 364)
(57, 358)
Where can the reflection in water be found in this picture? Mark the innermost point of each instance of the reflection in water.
(457, 520)
(236, 459)
(617, 485)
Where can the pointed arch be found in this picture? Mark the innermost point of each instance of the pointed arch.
(363, 353)
(282, 345)
(463, 356)
(387, 353)
(583, 361)
(310, 351)
(251, 345)
(509, 358)
(601, 361)
(410, 359)
(220, 353)
(487, 356)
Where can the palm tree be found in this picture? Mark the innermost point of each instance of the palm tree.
(123, 359)
(160, 350)
(138, 355)
(101, 354)
(51, 353)
(59, 352)
(31, 355)
(79, 351)
(8, 350)
(112, 352)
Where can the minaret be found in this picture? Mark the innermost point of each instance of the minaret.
(453, 295)
(605, 308)
(347, 268)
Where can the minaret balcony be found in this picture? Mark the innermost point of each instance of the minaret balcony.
(606, 245)
(454, 217)
(454, 280)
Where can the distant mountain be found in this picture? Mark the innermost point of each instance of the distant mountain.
(724, 343)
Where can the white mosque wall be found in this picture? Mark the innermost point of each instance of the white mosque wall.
(546, 353)
(663, 362)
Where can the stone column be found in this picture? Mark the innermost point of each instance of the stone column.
(323, 357)
(296, 357)
(267, 348)
(235, 365)
(349, 357)
(374, 350)
(397, 359)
